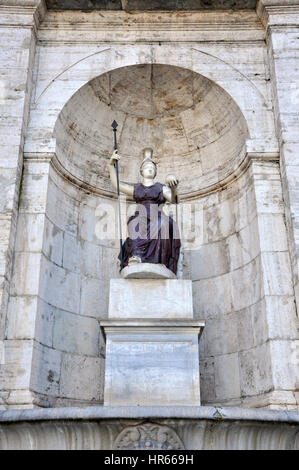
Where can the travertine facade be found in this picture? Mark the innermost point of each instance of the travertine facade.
(152, 353)
(215, 93)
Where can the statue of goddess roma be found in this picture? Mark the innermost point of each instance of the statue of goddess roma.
(160, 242)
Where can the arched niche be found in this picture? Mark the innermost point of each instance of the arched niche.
(197, 131)
(194, 127)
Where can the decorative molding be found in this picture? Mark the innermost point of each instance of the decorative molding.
(201, 428)
(65, 174)
(278, 13)
(257, 91)
(148, 5)
(100, 413)
(39, 157)
(68, 68)
(148, 436)
(248, 156)
(120, 26)
(234, 175)
(25, 14)
(183, 19)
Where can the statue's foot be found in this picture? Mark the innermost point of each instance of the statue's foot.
(134, 260)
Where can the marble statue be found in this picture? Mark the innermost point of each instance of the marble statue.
(153, 236)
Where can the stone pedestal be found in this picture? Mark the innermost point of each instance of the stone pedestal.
(152, 363)
(147, 271)
(150, 298)
(152, 340)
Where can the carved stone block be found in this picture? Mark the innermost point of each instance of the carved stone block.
(147, 437)
(152, 362)
(150, 298)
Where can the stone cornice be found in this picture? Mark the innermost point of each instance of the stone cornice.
(22, 13)
(215, 413)
(120, 26)
(76, 18)
(21, 3)
(246, 157)
(278, 12)
(209, 427)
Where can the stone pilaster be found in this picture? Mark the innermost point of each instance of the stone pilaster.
(18, 23)
(281, 20)
(275, 370)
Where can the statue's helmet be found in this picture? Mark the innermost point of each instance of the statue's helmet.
(148, 153)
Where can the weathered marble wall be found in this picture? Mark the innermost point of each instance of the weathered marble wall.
(194, 127)
(283, 56)
(243, 282)
(18, 25)
(16, 65)
(54, 308)
(242, 287)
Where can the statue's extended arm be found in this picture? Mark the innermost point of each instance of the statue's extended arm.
(170, 189)
(125, 188)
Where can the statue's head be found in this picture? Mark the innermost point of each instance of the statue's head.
(148, 168)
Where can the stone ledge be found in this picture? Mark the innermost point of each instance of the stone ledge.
(151, 326)
(148, 412)
(142, 323)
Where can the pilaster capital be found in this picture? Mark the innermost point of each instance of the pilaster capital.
(22, 13)
(278, 12)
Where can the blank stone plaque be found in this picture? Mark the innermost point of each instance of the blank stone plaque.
(152, 363)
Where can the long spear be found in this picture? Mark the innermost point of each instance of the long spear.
(114, 127)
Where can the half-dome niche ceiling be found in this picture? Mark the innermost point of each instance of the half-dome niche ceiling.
(194, 127)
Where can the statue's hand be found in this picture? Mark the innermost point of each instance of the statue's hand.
(172, 181)
(114, 158)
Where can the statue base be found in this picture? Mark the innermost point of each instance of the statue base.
(152, 353)
(150, 298)
(152, 363)
(147, 271)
